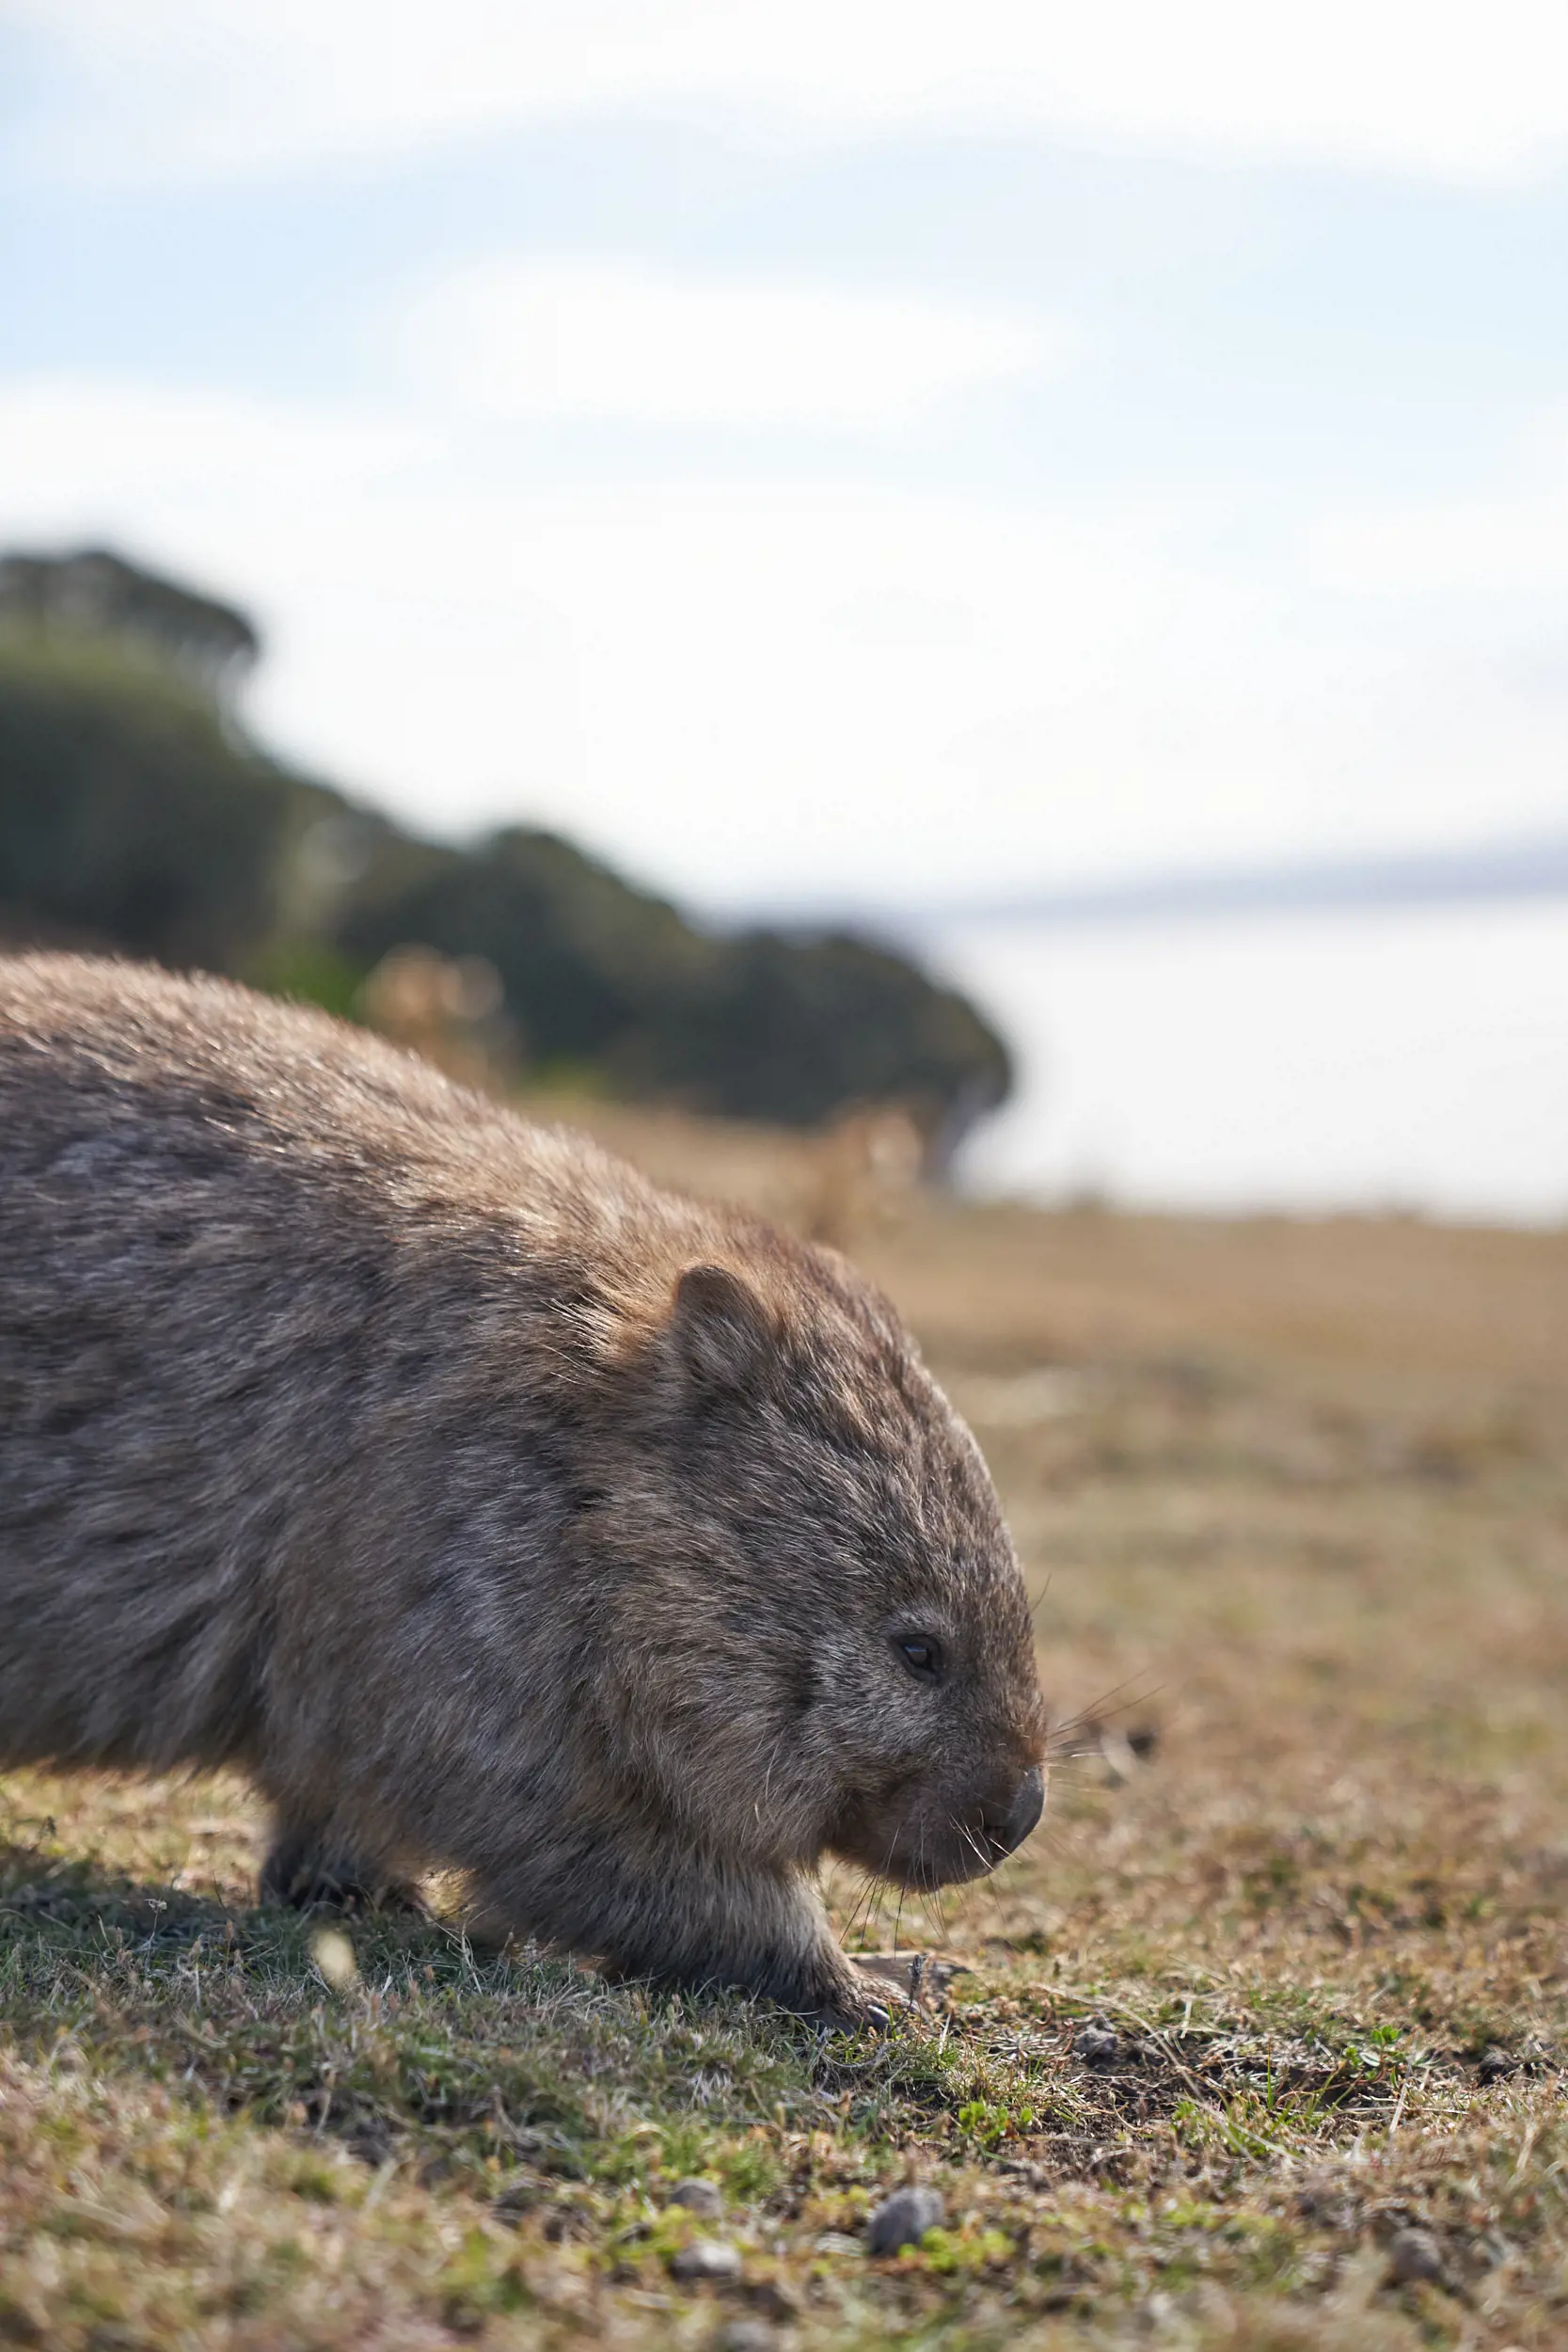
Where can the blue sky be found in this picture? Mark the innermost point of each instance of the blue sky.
(863, 451)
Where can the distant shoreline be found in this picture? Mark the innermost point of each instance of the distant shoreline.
(1520, 869)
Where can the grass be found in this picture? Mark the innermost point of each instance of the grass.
(1280, 1982)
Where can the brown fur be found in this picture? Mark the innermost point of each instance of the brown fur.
(492, 1508)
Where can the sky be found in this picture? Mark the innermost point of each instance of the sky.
(876, 455)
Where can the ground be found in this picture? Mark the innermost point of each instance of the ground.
(1258, 2043)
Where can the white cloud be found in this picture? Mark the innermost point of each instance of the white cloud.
(1513, 542)
(753, 690)
(1467, 545)
(100, 444)
(521, 339)
(181, 88)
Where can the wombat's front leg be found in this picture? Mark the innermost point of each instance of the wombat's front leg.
(307, 1866)
(691, 1924)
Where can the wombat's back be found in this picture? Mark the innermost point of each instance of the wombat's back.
(237, 1242)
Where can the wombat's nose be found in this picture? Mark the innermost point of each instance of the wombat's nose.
(1010, 1825)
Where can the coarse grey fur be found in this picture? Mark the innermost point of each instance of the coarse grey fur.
(492, 1508)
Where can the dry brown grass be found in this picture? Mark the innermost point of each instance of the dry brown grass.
(1299, 1494)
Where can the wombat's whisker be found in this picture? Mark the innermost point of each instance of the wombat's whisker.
(875, 1887)
(1056, 1842)
(958, 1911)
(998, 1886)
(1005, 1879)
(961, 1901)
(1097, 1711)
(875, 1883)
(987, 1867)
(878, 1879)
(869, 1896)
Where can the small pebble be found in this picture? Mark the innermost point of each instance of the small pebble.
(1326, 2196)
(706, 2258)
(699, 2196)
(775, 2299)
(1156, 2316)
(903, 2220)
(1414, 2254)
(745, 2335)
(1096, 2045)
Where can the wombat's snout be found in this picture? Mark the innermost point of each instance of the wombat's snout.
(934, 1844)
(1009, 1826)
(977, 1841)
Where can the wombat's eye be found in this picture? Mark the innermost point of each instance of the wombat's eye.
(922, 1655)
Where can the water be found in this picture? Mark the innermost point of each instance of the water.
(1408, 1058)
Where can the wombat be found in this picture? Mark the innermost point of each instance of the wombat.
(492, 1508)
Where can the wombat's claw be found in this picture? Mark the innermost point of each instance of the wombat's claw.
(863, 2017)
(862, 2007)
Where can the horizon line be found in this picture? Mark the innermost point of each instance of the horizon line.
(1536, 867)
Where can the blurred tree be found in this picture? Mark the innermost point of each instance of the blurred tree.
(134, 813)
(128, 813)
(794, 1029)
(93, 593)
(759, 1025)
(582, 957)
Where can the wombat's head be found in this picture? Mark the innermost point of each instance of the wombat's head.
(826, 1643)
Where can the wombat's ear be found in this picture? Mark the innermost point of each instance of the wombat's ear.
(721, 1333)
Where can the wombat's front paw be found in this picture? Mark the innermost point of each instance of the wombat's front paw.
(307, 1877)
(852, 2003)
